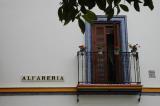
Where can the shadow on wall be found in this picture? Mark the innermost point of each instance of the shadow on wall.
(108, 100)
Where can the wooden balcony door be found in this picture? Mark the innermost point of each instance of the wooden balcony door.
(105, 53)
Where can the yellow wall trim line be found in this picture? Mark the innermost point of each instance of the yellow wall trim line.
(37, 89)
(150, 90)
(60, 90)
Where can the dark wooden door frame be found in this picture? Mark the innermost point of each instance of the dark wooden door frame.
(95, 37)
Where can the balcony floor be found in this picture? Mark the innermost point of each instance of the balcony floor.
(124, 89)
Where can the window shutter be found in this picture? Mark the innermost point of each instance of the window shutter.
(118, 64)
(106, 62)
(99, 54)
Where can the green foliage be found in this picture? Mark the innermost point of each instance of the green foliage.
(101, 4)
(81, 10)
(149, 3)
(81, 25)
(124, 7)
(89, 16)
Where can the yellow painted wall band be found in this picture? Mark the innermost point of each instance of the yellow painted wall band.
(69, 89)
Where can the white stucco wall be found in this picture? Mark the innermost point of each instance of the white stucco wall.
(34, 42)
(70, 100)
(143, 28)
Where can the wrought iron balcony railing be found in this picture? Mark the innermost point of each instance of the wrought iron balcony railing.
(108, 68)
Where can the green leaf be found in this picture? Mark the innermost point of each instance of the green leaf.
(81, 25)
(89, 16)
(81, 2)
(66, 12)
(67, 15)
(118, 9)
(109, 2)
(101, 4)
(149, 3)
(116, 2)
(72, 2)
(74, 13)
(66, 21)
(109, 12)
(124, 7)
(83, 9)
(69, 11)
(90, 4)
(60, 13)
(65, 1)
(136, 6)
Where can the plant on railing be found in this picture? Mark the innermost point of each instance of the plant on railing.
(82, 49)
(134, 49)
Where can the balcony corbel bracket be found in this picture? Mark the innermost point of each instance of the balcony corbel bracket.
(77, 98)
(139, 99)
